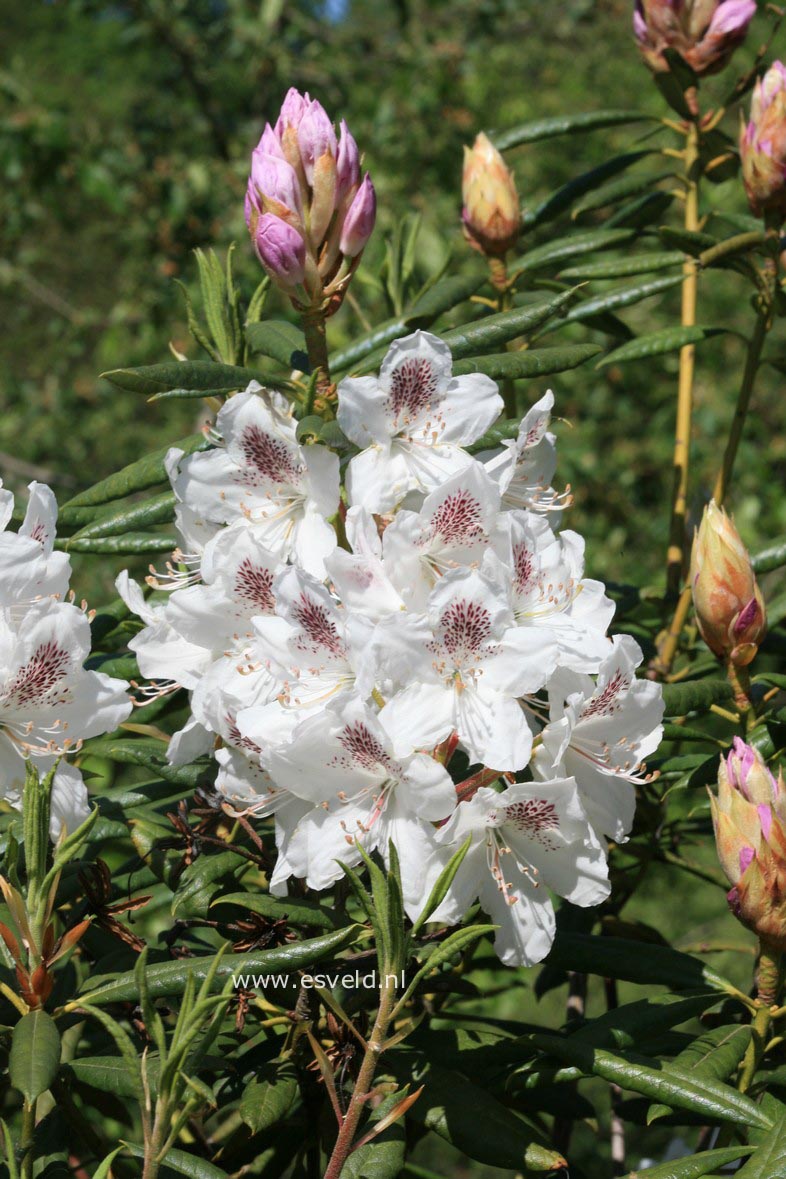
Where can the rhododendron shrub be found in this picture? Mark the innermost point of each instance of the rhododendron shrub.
(363, 762)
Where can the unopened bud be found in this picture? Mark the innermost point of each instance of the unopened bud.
(704, 32)
(359, 221)
(281, 250)
(491, 213)
(749, 818)
(729, 607)
(763, 144)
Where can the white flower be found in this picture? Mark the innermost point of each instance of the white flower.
(29, 567)
(49, 703)
(524, 467)
(262, 474)
(163, 654)
(452, 529)
(532, 837)
(465, 666)
(412, 421)
(360, 578)
(548, 590)
(600, 732)
(342, 763)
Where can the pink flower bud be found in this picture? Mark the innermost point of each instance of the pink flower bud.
(704, 32)
(763, 144)
(359, 221)
(276, 186)
(281, 250)
(316, 137)
(729, 607)
(347, 164)
(292, 110)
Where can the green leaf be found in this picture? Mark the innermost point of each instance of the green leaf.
(626, 1026)
(677, 1088)
(105, 1166)
(462, 1113)
(160, 509)
(132, 542)
(488, 333)
(535, 362)
(203, 879)
(169, 978)
(565, 125)
(441, 886)
(152, 755)
(624, 267)
(201, 377)
(561, 200)
(294, 910)
(383, 1157)
(35, 1055)
(622, 297)
(695, 696)
(442, 297)
(619, 190)
(375, 341)
(572, 247)
(657, 343)
(633, 961)
(508, 428)
(687, 240)
(270, 1096)
(453, 945)
(696, 1165)
(181, 1163)
(769, 1160)
(139, 476)
(281, 340)
(108, 1073)
(770, 558)
(715, 1054)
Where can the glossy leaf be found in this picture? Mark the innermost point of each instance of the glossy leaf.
(773, 557)
(35, 1054)
(573, 246)
(619, 190)
(182, 1163)
(269, 1097)
(633, 961)
(695, 696)
(200, 376)
(139, 476)
(624, 267)
(715, 1054)
(561, 200)
(535, 362)
(658, 343)
(488, 333)
(281, 340)
(160, 509)
(565, 125)
(295, 910)
(695, 1166)
(382, 1157)
(622, 297)
(769, 1160)
(169, 978)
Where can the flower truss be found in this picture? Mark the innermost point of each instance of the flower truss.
(414, 658)
(49, 703)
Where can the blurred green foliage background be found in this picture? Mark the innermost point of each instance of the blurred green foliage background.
(125, 132)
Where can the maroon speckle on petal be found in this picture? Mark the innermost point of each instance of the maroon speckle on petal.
(535, 817)
(269, 459)
(412, 386)
(457, 519)
(364, 749)
(35, 680)
(318, 625)
(465, 626)
(253, 584)
(604, 703)
(523, 567)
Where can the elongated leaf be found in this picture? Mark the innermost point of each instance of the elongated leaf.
(35, 1054)
(715, 1055)
(181, 1163)
(773, 557)
(695, 696)
(442, 297)
(441, 886)
(676, 1088)
(624, 267)
(626, 1026)
(152, 755)
(572, 247)
(131, 542)
(201, 376)
(383, 1157)
(160, 509)
(295, 910)
(619, 190)
(696, 1165)
(372, 342)
(139, 476)
(769, 1160)
(565, 125)
(476, 338)
(280, 340)
(111, 1075)
(169, 978)
(202, 880)
(687, 240)
(105, 1166)
(657, 343)
(453, 945)
(622, 297)
(534, 362)
(633, 961)
(561, 200)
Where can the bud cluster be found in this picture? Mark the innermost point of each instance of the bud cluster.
(704, 32)
(308, 210)
(763, 144)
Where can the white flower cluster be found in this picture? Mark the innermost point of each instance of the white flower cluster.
(49, 703)
(345, 655)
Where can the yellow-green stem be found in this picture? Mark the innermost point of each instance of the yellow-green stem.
(768, 986)
(315, 331)
(676, 552)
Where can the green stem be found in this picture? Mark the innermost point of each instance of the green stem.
(27, 1140)
(768, 985)
(315, 331)
(364, 1082)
